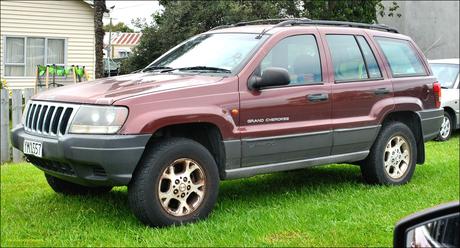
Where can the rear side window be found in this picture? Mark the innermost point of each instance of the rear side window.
(401, 57)
(299, 55)
(348, 62)
(372, 66)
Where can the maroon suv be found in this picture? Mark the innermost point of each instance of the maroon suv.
(238, 101)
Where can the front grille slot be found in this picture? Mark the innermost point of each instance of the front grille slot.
(99, 171)
(65, 120)
(56, 119)
(47, 125)
(35, 119)
(48, 118)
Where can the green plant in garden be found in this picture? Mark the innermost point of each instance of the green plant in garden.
(182, 19)
(3, 84)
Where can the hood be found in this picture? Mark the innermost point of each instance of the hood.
(109, 90)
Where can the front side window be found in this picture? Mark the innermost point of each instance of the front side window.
(23, 54)
(299, 55)
(446, 74)
(226, 51)
(401, 57)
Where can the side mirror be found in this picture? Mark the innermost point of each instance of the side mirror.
(434, 227)
(272, 76)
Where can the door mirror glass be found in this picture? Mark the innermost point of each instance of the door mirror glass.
(442, 232)
(273, 76)
(435, 227)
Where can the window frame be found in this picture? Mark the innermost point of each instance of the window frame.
(322, 82)
(411, 46)
(45, 55)
(362, 56)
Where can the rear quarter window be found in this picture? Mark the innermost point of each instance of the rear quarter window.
(401, 57)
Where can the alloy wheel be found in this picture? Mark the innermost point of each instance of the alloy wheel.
(445, 128)
(182, 187)
(397, 157)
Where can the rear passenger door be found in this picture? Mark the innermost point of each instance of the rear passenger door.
(361, 92)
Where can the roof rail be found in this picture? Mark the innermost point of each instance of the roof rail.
(306, 21)
(260, 21)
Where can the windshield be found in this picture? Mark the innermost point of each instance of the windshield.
(446, 74)
(223, 52)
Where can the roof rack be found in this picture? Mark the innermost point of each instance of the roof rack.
(260, 21)
(306, 21)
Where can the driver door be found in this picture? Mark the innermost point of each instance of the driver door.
(292, 122)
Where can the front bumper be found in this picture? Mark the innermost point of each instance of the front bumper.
(92, 160)
(431, 121)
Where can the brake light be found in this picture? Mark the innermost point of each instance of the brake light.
(437, 94)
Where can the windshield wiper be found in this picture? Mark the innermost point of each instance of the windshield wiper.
(154, 68)
(444, 87)
(199, 68)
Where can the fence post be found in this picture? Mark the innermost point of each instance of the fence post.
(16, 113)
(28, 93)
(4, 126)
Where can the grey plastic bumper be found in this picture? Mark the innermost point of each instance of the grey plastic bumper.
(431, 121)
(92, 160)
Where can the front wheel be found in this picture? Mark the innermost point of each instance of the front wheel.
(446, 128)
(393, 156)
(176, 182)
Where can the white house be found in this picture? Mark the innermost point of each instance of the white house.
(44, 32)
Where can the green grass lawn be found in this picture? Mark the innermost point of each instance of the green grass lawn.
(322, 206)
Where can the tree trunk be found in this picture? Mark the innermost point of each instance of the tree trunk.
(99, 10)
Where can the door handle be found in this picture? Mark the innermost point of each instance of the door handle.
(318, 97)
(381, 91)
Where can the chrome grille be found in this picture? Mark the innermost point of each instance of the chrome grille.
(48, 118)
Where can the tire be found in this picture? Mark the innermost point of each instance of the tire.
(446, 128)
(164, 192)
(393, 156)
(68, 188)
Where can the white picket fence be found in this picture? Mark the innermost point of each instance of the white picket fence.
(11, 106)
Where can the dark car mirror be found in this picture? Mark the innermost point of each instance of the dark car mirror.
(434, 227)
(272, 76)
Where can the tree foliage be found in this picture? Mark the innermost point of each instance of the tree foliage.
(119, 27)
(183, 19)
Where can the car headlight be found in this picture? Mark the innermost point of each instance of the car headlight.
(98, 119)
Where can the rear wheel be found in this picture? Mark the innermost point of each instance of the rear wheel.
(68, 188)
(176, 182)
(393, 156)
(446, 128)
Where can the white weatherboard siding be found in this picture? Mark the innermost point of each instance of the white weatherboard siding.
(71, 20)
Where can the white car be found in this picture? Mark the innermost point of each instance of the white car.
(446, 70)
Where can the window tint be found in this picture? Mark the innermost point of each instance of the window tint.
(401, 56)
(297, 54)
(372, 66)
(347, 59)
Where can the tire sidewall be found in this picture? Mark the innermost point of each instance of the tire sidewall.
(388, 133)
(156, 163)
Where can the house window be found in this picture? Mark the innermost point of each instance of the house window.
(124, 54)
(23, 54)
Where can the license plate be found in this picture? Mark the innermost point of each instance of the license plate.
(33, 148)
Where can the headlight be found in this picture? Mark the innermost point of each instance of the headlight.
(98, 120)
